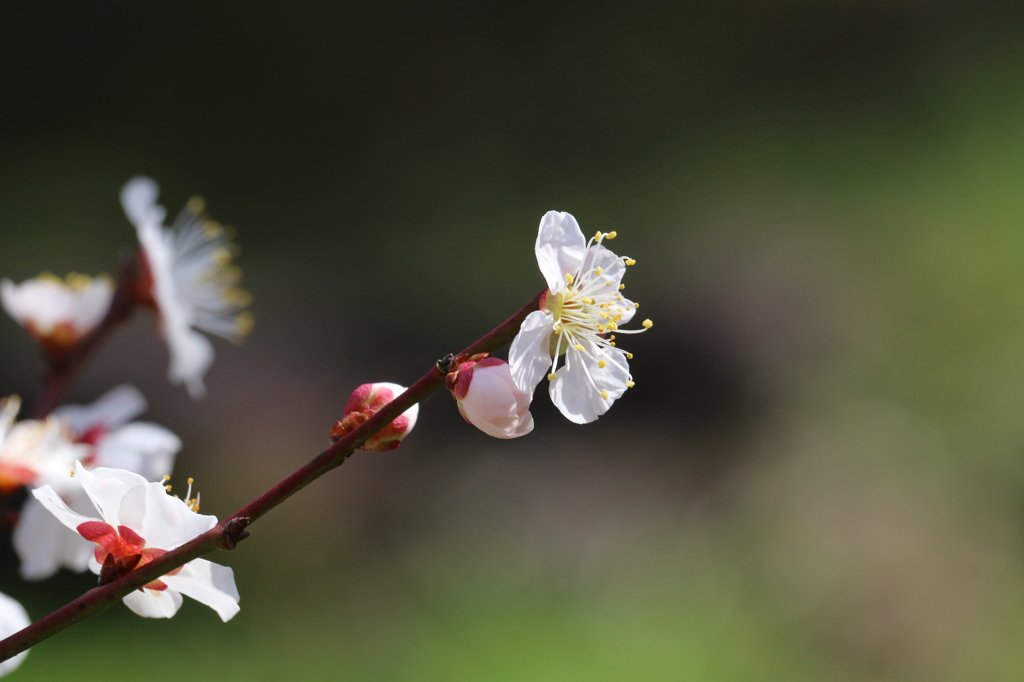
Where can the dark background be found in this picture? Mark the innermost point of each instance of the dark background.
(820, 472)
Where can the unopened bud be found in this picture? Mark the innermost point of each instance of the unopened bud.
(489, 399)
(364, 402)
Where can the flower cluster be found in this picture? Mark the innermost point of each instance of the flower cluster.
(97, 479)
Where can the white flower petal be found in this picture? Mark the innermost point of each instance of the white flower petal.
(191, 357)
(114, 408)
(165, 522)
(560, 248)
(140, 447)
(106, 489)
(574, 392)
(208, 583)
(530, 353)
(13, 618)
(154, 603)
(45, 545)
(138, 198)
(48, 497)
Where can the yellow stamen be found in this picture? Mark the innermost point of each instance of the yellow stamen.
(190, 481)
(647, 324)
(630, 384)
(598, 236)
(598, 270)
(605, 315)
(621, 287)
(588, 301)
(72, 473)
(167, 478)
(579, 347)
(618, 298)
(552, 376)
(630, 261)
(557, 328)
(635, 304)
(612, 337)
(168, 488)
(604, 394)
(629, 356)
(612, 326)
(611, 235)
(612, 344)
(243, 324)
(602, 364)
(196, 205)
(568, 278)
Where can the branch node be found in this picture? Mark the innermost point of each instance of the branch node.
(444, 365)
(234, 531)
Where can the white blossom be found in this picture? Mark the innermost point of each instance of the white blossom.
(139, 522)
(192, 283)
(580, 316)
(58, 312)
(13, 618)
(112, 440)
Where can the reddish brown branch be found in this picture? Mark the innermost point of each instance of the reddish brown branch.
(232, 530)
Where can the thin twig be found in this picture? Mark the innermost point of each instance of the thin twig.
(230, 531)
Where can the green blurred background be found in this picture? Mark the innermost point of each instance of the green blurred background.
(820, 472)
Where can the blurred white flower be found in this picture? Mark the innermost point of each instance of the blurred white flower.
(42, 543)
(364, 403)
(190, 280)
(13, 618)
(34, 452)
(489, 399)
(139, 521)
(579, 317)
(58, 312)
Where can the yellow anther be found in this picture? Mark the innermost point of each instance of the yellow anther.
(612, 337)
(167, 478)
(168, 488)
(647, 324)
(557, 328)
(611, 235)
(598, 235)
(635, 304)
(568, 278)
(243, 324)
(602, 364)
(630, 261)
(612, 344)
(579, 347)
(618, 317)
(588, 301)
(600, 328)
(552, 376)
(618, 298)
(630, 384)
(598, 270)
(605, 315)
(621, 287)
(612, 326)
(629, 356)
(190, 481)
(604, 394)
(196, 205)
(607, 284)
(72, 473)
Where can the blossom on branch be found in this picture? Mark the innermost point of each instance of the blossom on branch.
(139, 522)
(189, 279)
(112, 440)
(489, 399)
(364, 402)
(34, 452)
(58, 312)
(579, 317)
(13, 618)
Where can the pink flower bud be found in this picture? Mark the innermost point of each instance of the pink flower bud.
(489, 399)
(364, 403)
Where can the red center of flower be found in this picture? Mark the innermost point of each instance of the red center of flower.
(121, 550)
(13, 476)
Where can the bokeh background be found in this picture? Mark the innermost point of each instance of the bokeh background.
(820, 472)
